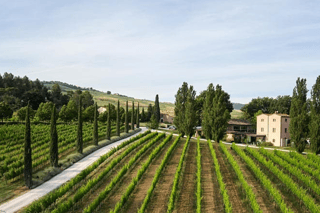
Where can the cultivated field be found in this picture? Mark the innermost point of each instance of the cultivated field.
(154, 172)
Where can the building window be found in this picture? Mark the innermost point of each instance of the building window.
(285, 130)
(285, 120)
(274, 120)
(273, 140)
(262, 120)
(274, 130)
(262, 129)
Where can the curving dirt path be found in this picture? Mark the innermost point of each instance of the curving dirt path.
(34, 194)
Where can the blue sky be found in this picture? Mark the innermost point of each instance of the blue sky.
(144, 48)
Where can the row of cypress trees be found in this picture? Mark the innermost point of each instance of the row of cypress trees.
(79, 145)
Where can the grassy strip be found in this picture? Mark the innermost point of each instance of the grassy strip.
(198, 193)
(266, 183)
(141, 171)
(293, 170)
(157, 175)
(298, 163)
(223, 190)
(295, 189)
(250, 195)
(47, 200)
(177, 177)
(92, 206)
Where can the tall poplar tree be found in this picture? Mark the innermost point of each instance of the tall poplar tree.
(157, 108)
(95, 125)
(80, 136)
(118, 119)
(220, 114)
(126, 118)
(54, 154)
(314, 125)
(132, 117)
(143, 115)
(27, 152)
(109, 123)
(207, 117)
(298, 126)
(190, 113)
(138, 122)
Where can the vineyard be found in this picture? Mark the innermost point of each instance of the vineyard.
(155, 172)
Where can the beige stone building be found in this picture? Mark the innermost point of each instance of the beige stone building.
(165, 118)
(275, 128)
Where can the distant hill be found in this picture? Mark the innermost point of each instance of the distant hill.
(104, 98)
(237, 106)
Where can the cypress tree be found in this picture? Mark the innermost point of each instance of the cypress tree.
(27, 152)
(138, 122)
(207, 117)
(79, 136)
(149, 113)
(179, 109)
(298, 126)
(126, 118)
(132, 116)
(109, 123)
(157, 108)
(220, 114)
(95, 126)
(118, 119)
(54, 154)
(314, 125)
(143, 115)
(190, 113)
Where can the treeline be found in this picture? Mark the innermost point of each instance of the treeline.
(70, 86)
(211, 109)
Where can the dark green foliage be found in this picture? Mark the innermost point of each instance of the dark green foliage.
(314, 125)
(185, 111)
(157, 108)
(138, 122)
(5, 110)
(143, 115)
(299, 117)
(132, 117)
(109, 123)
(57, 97)
(118, 120)
(79, 135)
(54, 139)
(207, 114)
(88, 113)
(69, 112)
(21, 113)
(87, 98)
(149, 112)
(126, 118)
(220, 113)
(95, 125)
(27, 153)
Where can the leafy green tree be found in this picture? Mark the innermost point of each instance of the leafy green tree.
(138, 122)
(221, 115)
(298, 126)
(157, 108)
(95, 125)
(118, 119)
(180, 107)
(54, 154)
(132, 117)
(27, 152)
(69, 112)
(314, 125)
(44, 111)
(5, 111)
(21, 113)
(80, 135)
(190, 113)
(88, 113)
(126, 118)
(154, 123)
(109, 123)
(207, 116)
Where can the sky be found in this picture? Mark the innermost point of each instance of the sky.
(143, 48)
